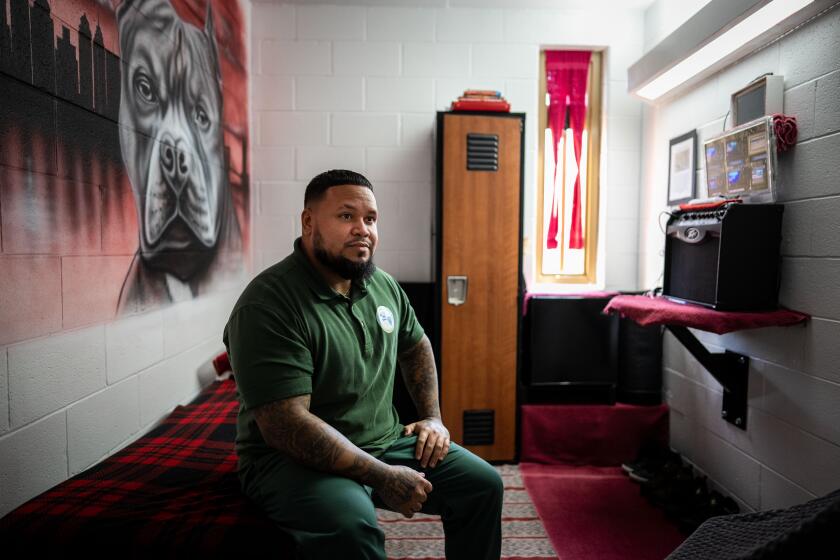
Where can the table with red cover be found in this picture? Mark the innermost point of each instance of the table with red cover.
(172, 492)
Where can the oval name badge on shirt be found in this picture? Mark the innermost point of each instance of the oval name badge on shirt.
(385, 318)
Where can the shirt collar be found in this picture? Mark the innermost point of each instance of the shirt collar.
(319, 285)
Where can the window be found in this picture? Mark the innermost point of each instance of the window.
(567, 202)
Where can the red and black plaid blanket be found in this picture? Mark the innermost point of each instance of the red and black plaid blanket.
(171, 492)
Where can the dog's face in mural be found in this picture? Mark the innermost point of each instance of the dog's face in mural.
(171, 134)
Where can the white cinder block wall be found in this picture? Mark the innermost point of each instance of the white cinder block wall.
(358, 86)
(791, 449)
(72, 395)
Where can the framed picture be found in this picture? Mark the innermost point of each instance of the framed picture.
(682, 161)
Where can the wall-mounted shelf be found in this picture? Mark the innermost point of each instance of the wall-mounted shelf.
(730, 369)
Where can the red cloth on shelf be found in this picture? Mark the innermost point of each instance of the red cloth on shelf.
(662, 311)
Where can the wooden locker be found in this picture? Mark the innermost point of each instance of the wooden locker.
(479, 239)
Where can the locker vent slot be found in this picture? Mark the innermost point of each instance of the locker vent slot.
(482, 152)
(478, 427)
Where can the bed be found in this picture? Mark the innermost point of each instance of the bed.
(174, 491)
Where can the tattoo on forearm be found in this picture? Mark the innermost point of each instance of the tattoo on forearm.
(420, 375)
(308, 440)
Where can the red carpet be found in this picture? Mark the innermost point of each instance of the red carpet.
(570, 465)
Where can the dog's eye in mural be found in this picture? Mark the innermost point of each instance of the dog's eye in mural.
(174, 154)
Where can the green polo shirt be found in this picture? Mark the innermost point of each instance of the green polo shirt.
(291, 334)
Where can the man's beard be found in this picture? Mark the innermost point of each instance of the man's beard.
(341, 265)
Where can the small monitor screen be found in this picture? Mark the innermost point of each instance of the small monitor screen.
(740, 162)
(749, 105)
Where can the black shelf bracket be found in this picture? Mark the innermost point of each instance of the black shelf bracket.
(730, 369)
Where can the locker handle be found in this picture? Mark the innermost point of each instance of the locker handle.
(456, 290)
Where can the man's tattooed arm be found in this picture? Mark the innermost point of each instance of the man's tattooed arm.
(420, 375)
(287, 425)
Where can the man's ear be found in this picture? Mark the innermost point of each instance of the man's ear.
(306, 221)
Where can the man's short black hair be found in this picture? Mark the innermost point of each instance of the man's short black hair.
(332, 178)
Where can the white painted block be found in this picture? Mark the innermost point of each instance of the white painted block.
(188, 323)
(366, 59)
(625, 48)
(778, 492)
(275, 232)
(314, 93)
(417, 130)
(436, 60)
(286, 128)
(827, 108)
(399, 94)
(330, 22)
(387, 260)
(622, 202)
(133, 343)
(97, 424)
(622, 236)
(398, 164)
(416, 266)
(780, 345)
(156, 393)
(804, 401)
(623, 133)
(314, 160)
(32, 460)
(273, 163)
(811, 462)
(364, 129)
(799, 102)
(811, 50)
(505, 61)
(541, 26)
(295, 58)
(448, 90)
(733, 469)
(4, 392)
(266, 259)
(621, 273)
(683, 436)
(49, 373)
(811, 228)
(804, 171)
(400, 24)
(821, 353)
(282, 198)
(821, 276)
(272, 93)
(524, 98)
(621, 103)
(459, 25)
(623, 168)
(407, 232)
(272, 21)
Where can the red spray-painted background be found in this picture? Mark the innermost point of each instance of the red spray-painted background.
(68, 218)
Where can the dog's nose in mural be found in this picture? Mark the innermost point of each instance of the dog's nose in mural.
(174, 164)
(172, 143)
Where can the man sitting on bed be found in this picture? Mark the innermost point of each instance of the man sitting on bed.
(313, 342)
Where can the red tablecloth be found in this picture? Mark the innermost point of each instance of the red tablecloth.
(662, 311)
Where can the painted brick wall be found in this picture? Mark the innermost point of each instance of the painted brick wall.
(791, 449)
(77, 385)
(358, 86)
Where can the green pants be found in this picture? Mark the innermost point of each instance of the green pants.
(333, 517)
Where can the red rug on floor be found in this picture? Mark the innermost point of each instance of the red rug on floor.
(421, 537)
(597, 513)
(570, 464)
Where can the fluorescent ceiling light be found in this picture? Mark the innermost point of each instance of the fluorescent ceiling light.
(722, 46)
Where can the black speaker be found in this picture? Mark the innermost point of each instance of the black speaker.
(639, 363)
(571, 349)
(725, 258)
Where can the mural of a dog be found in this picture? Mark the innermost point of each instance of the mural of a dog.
(172, 144)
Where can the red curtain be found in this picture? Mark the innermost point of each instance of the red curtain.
(566, 74)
